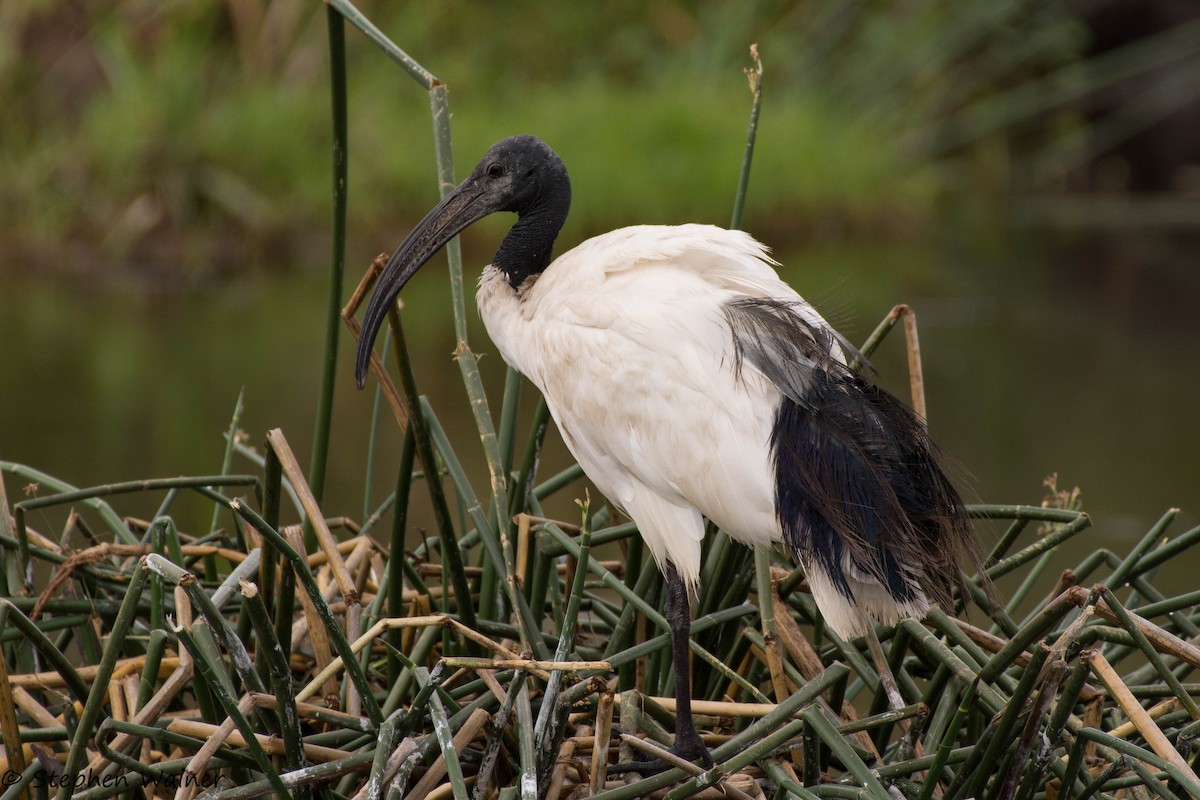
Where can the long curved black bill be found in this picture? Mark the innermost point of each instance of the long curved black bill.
(447, 219)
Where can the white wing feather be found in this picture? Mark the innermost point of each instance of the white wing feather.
(625, 337)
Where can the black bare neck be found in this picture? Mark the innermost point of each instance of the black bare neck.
(529, 244)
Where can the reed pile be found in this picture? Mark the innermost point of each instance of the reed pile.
(264, 659)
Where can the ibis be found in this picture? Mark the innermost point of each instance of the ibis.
(691, 382)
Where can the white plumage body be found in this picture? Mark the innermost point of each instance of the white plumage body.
(626, 337)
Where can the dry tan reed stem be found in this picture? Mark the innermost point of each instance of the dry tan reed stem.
(466, 734)
(522, 547)
(1126, 729)
(661, 753)
(916, 380)
(353, 623)
(91, 555)
(116, 701)
(604, 718)
(559, 775)
(316, 629)
(52, 680)
(295, 475)
(1162, 640)
(807, 660)
(8, 716)
(402, 751)
(1136, 714)
(509, 658)
(654, 750)
(36, 711)
(493, 685)
(272, 744)
(446, 790)
(359, 558)
(524, 663)
(394, 399)
(198, 765)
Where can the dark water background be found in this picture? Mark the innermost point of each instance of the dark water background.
(1073, 356)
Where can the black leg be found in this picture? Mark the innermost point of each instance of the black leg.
(688, 744)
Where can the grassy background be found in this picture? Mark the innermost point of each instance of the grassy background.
(183, 141)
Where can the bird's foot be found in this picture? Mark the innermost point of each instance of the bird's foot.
(688, 753)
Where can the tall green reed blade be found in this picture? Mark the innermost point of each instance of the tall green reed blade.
(526, 748)
(11, 582)
(523, 486)
(755, 76)
(1055, 671)
(221, 627)
(503, 549)
(93, 708)
(451, 556)
(814, 717)
(230, 442)
(509, 407)
(466, 359)
(1044, 755)
(1153, 537)
(1169, 550)
(397, 559)
(978, 773)
(155, 647)
(337, 263)
(468, 362)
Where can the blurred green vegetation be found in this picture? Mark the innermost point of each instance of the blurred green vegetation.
(188, 140)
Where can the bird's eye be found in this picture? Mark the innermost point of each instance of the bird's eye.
(495, 170)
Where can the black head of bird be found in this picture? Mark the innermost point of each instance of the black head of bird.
(520, 175)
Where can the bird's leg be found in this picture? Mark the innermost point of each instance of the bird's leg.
(688, 744)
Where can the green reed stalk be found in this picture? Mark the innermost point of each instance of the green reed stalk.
(279, 674)
(547, 728)
(1152, 655)
(985, 767)
(94, 706)
(337, 262)
(1129, 566)
(397, 560)
(755, 76)
(820, 725)
(230, 441)
(451, 556)
(501, 551)
(651, 613)
(208, 664)
(55, 659)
